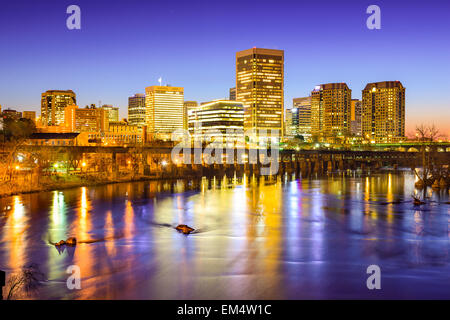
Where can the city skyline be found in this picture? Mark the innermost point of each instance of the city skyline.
(406, 49)
(201, 153)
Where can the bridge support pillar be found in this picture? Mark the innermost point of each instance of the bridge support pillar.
(330, 166)
(114, 166)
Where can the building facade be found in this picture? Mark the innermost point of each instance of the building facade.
(124, 132)
(383, 111)
(53, 139)
(355, 117)
(330, 112)
(87, 119)
(113, 112)
(31, 115)
(224, 116)
(53, 105)
(187, 106)
(11, 114)
(232, 94)
(260, 86)
(136, 110)
(301, 117)
(164, 110)
(288, 133)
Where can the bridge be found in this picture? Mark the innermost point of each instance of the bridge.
(413, 146)
(157, 159)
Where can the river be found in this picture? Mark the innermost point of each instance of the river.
(255, 239)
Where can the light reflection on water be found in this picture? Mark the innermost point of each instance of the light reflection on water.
(257, 239)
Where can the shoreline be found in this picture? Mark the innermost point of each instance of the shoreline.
(74, 185)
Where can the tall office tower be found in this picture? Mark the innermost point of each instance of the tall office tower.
(164, 110)
(136, 110)
(53, 105)
(232, 93)
(29, 115)
(113, 112)
(330, 111)
(220, 115)
(301, 117)
(187, 106)
(355, 117)
(383, 111)
(89, 119)
(260, 86)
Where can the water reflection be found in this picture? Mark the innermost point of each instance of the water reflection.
(257, 238)
(15, 232)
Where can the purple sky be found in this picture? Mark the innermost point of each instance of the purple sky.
(124, 46)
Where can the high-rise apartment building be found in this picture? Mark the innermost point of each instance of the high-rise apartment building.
(260, 86)
(187, 106)
(330, 111)
(383, 111)
(220, 115)
(113, 112)
(164, 110)
(136, 110)
(301, 117)
(53, 105)
(355, 117)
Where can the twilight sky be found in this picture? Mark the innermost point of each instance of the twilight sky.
(124, 46)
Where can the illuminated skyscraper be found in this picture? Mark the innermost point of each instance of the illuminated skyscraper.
(220, 115)
(301, 117)
(330, 111)
(187, 105)
(260, 86)
(53, 104)
(383, 111)
(164, 110)
(136, 110)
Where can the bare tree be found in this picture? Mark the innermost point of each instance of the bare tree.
(25, 281)
(426, 135)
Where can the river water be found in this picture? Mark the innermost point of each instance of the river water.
(256, 239)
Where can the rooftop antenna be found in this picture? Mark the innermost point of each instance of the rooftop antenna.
(160, 81)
